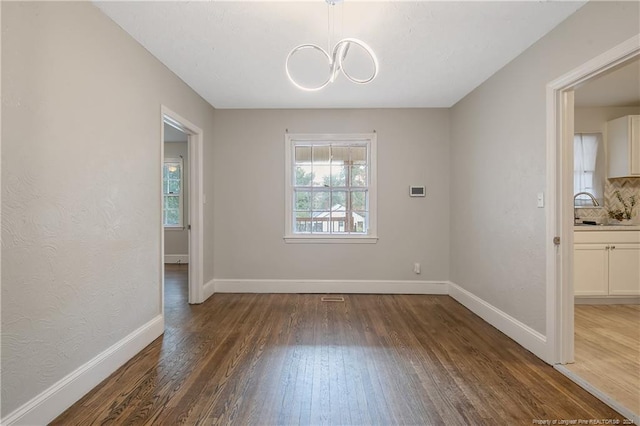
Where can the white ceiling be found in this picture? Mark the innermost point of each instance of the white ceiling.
(431, 53)
(171, 134)
(620, 87)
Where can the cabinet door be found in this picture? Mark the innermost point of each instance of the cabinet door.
(624, 270)
(590, 269)
(634, 140)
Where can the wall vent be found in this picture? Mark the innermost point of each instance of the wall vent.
(332, 299)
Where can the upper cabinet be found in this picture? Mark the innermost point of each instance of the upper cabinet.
(623, 146)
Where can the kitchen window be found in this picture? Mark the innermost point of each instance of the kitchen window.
(586, 175)
(330, 188)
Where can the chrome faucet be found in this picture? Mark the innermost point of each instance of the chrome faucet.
(593, 200)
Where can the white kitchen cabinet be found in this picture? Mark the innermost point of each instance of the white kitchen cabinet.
(606, 263)
(590, 277)
(624, 269)
(623, 146)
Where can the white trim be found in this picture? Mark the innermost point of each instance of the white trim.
(523, 334)
(209, 289)
(176, 258)
(602, 396)
(559, 215)
(608, 300)
(196, 201)
(53, 401)
(323, 239)
(371, 140)
(330, 286)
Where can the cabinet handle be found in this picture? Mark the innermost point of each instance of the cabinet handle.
(613, 247)
(607, 247)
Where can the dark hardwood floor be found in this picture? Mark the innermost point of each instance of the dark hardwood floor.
(292, 359)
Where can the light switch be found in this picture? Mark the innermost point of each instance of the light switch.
(540, 200)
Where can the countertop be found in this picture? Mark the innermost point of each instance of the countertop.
(592, 228)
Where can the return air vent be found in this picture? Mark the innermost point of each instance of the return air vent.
(332, 299)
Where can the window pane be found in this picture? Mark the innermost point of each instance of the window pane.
(321, 154)
(339, 155)
(321, 200)
(320, 222)
(359, 222)
(172, 217)
(303, 200)
(358, 155)
(321, 175)
(303, 222)
(338, 176)
(303, 176)
(338, 200)
(172, 170)
(165, 186)
(359, 175)
(171, 202)
(359, 200)
(303, 155)
(174, 186)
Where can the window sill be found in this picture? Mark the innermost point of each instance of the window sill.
(174, 228)
(321, 239)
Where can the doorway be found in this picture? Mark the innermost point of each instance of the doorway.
(182, 210)
(560, 216)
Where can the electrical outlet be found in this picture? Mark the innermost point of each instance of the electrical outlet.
(416, 268)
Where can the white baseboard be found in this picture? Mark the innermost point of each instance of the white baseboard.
(208, 290)
(176, 258)
(521, 333)
(630, 415)
(330, 286)
(52, 402)
(609, 300)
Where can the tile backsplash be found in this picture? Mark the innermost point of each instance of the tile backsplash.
(627, 186)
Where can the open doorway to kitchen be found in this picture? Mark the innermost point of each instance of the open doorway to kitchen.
(589, 334)
(182, 210)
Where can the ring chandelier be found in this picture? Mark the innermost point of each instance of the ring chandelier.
(335, 59)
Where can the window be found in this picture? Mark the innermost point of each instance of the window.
(331, 188)
(585, 158)
(172, 193)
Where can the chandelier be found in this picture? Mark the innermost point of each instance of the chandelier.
(336, 58)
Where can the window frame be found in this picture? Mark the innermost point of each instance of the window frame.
(180, 225)
(370, 140)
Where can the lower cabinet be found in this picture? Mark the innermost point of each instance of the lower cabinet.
(607, 263)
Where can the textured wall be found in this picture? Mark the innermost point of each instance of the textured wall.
(498, 163)
(80, 189)
(413, 148)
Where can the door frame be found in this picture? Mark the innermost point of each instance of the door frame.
(196, 202)
(559, 213)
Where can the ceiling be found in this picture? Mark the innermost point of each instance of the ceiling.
(431, 53)
(620, 88)
(171, 134)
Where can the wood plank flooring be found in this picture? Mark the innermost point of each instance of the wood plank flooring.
(607, 350)
(261, 359)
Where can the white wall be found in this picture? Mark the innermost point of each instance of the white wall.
(176, 241)
(594, 119)
(498, 165)
(249, 192)
(81, 191)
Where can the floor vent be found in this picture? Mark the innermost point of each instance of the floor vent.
(332, 299)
